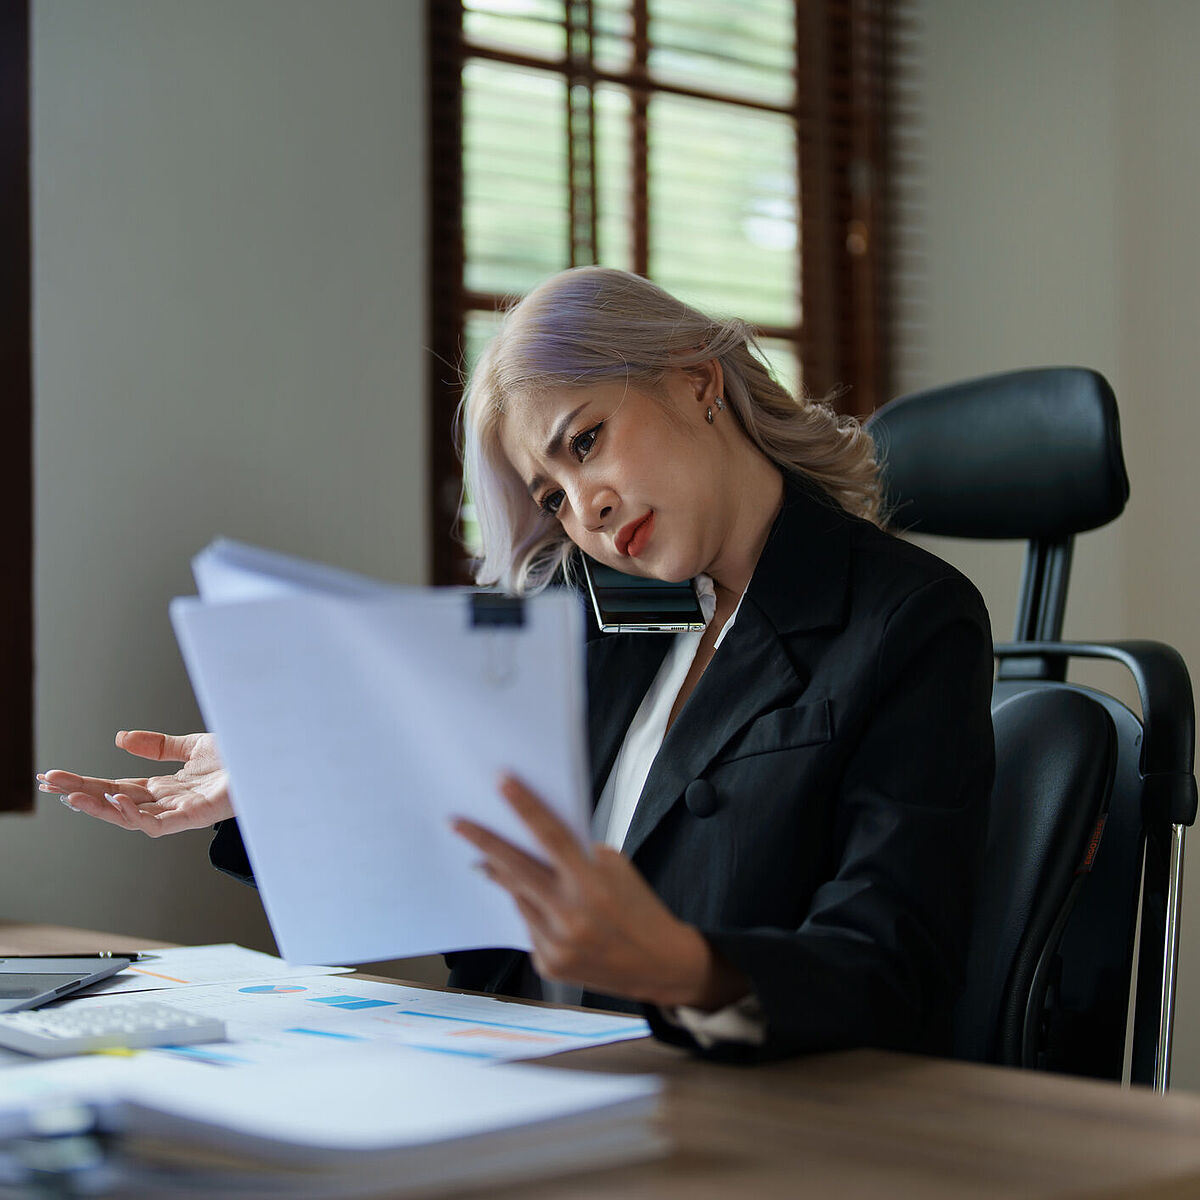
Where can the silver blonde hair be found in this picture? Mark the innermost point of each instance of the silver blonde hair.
(592, 325)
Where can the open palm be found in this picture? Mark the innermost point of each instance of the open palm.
(193, 797)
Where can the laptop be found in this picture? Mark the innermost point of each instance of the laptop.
(32, 982)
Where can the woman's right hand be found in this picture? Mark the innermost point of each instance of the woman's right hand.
(197, 795)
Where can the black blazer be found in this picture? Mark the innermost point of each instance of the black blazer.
(818, 807)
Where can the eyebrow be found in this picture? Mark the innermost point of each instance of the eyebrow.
(555, 441)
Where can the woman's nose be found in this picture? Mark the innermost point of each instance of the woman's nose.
(596, 506)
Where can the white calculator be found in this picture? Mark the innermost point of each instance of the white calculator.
(78, 1028)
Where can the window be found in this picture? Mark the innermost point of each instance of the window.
(734, 153)
(16, 606)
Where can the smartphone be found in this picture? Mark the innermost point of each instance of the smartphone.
(631, 604)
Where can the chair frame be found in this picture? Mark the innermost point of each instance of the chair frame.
(1038, 657)
(1168, 806)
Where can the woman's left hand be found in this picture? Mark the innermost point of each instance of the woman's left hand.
(593, 920)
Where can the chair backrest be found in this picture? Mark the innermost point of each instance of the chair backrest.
(1031, 455)
(1055, 761)
(1036, 455)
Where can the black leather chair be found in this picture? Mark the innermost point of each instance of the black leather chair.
(1091, 799)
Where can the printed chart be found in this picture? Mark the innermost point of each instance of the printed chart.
(270, 1022)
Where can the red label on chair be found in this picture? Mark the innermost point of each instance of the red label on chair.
(1089, 855)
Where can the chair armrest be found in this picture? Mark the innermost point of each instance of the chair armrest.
(1168, 714)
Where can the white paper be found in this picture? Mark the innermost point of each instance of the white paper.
(187, 966)
(376, 1097)
(356, 727)
(229, 570)
(283, 1018)
(359, 1098)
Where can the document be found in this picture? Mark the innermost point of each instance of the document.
(188, 966)
(353, 1121)
(357, 719)
(280, 1019)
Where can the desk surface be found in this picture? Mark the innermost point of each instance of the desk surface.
(856, 1125)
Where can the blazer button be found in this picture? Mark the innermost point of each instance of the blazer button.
(701, 798)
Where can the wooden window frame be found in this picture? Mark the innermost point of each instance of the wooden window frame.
(16, 372)
(843, 110)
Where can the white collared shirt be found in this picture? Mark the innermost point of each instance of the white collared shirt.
(741, 1021)
(644, 737)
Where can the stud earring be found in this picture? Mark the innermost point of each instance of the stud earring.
(720, 404)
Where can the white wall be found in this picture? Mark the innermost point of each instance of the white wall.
(1021, 213)
(229, 285)
(1158, 181)
(1063, 166)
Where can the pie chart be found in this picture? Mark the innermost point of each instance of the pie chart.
(272, 989)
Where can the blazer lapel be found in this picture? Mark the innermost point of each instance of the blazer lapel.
(800, 584)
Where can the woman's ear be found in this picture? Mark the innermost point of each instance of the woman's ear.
(707, 380)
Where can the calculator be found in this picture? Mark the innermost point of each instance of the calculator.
(79, 1028)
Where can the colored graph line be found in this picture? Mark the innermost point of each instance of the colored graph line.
(557, 1033)
(325, 1033)
(503, 1035)
(205, 1055)
(351, 1002)
(448, 1050)
(156, 975)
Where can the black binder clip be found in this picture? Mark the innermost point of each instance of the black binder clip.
(498, 615)
(492, 609)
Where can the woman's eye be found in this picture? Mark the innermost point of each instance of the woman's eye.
(582, 443)
(552, 503)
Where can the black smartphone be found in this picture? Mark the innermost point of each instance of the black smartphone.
(631, 604)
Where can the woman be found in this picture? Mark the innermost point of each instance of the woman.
(790, 806)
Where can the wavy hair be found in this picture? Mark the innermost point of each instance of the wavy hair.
(592, 325)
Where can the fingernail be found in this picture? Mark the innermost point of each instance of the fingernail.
(67, 804)
(111, 799)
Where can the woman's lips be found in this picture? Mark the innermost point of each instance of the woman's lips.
(632, 539)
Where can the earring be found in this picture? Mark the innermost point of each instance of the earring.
(708, 415)
(720, 404)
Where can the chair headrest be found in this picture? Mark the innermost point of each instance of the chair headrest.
(1033, 454)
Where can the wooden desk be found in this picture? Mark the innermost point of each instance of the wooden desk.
(856, 1125)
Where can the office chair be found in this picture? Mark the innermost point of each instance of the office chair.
(1091, 800)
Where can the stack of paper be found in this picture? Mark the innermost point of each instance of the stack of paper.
(357, 720)
(372, 1121)
(190, 966)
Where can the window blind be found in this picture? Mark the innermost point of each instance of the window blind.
(736, 154)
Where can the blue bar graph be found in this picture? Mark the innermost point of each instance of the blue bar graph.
(325, 1033)
(351, 1002)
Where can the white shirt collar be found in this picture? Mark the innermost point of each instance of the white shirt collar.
(706, 593)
